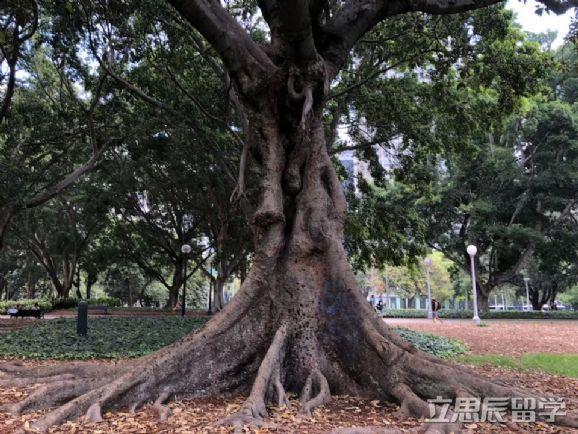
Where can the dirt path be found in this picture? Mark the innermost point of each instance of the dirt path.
(508, 338)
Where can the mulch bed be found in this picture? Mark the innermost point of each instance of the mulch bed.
(200, 415)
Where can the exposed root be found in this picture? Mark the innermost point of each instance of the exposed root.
(89, 401)
(162, 410)
(134, 406)
(411, 405)
(569, 420)
(48, 396)
(94, 413)
(437, 375)
(277, 389)
(27, 381)
(78, 369)
(366, 430)
(308, 403)
(439, 428)
(364, 358)
(254, 409)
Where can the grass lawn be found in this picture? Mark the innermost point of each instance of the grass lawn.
(107, 338)
(556, 364)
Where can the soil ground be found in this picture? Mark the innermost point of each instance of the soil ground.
(200, 415)
(503, 337)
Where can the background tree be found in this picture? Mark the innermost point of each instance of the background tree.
(58, 233)
(570, 297)
(58, 123)
(512, 199)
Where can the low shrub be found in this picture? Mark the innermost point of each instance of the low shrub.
(64, 303)
(45, 305)
(437, 345)
(107, 301)
(107, 338)
(466, 314)
(404, 313)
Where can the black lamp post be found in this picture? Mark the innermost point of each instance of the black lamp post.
(185, 249)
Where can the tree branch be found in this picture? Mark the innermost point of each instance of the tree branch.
(297, 31)
(242, 57)
(66, 182)
(356, 18)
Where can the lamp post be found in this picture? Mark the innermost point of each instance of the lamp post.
(427, 262)
(185, 250)
(472, 250)
(526, 280)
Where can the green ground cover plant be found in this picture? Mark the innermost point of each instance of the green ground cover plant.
(437, 345)
(119, 337)
(107, 338)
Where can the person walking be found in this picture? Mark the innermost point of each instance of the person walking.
(435, 310)
(379, 307)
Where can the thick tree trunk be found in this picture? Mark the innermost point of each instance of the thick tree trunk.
(218, 299)
(483, 302)
(129, 292)
(58, 286)
(6, 214)
(30, 286)
(537, 299)
(176, 283)
(68, 269)
(91, 279)
(299, 322)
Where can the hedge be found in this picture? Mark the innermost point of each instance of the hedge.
(68, 303)
(466, 314)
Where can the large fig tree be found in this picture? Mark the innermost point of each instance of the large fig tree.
(299, 322)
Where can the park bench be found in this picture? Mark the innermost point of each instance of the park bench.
(98, 307)
(22, 313)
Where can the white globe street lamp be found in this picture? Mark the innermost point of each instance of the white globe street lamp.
(427, 262)
(185, 250)
(472, 250)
